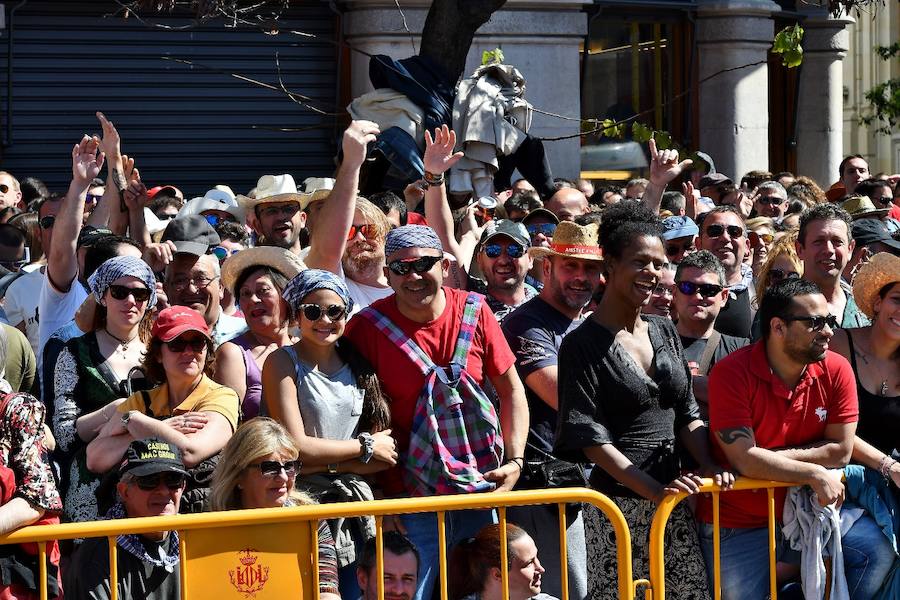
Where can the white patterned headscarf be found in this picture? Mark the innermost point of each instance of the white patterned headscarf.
(122, 266)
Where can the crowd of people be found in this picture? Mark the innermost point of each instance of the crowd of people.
(299, 345)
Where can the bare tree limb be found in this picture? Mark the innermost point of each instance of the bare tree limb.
(449, 30)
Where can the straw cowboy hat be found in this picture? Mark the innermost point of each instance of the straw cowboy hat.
(883, 269)
(572, 241)
(861, 207)
(273, 188)
(278, 259)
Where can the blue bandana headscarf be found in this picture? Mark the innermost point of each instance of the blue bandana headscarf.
(311, 280)
(411, 236)
(122, 266)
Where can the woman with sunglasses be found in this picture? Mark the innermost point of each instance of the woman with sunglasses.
(96, 370)
(257, 470)
(760, 234)
(187, 408)
(625, 394)
(257, 277)
(328, 398)
(781, 263)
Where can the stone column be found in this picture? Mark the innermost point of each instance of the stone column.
(540, 37)
(733, 39)
(820, 118)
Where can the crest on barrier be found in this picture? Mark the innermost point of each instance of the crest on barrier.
(250, 576)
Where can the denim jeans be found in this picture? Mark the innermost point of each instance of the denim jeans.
(744, 557)
(421, 529)
(868, 558)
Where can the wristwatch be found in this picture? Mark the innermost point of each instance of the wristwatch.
(367, 447)
(126, 418)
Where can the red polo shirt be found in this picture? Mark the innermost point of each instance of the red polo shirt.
(744, 392)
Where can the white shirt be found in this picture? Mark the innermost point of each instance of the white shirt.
(21, 304)
(56, 309)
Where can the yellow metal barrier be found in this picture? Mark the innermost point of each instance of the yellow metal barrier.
(664, 510)
(279, 544)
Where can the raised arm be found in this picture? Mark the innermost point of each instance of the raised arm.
(438, 159)
(664, 167)
(329, 239)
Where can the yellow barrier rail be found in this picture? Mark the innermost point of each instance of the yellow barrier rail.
(259, 518)
(664, 511)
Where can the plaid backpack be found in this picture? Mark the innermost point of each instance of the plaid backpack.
(455, 436)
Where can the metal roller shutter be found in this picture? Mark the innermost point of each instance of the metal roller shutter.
(187, 126)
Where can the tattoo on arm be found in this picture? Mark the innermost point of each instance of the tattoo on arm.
(730, 436)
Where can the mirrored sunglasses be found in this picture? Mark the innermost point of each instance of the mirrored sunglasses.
(512, 250)
(367, 231)
(707, 290)
(221, 252)
(548, 229)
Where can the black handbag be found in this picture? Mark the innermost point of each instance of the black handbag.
(544, 471)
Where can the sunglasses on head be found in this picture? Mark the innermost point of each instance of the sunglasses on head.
(420, 265)
(47, 222)
(512, 250)
(314, 312)
(778, 274)
(272, 468)
(148, 483)
(734, 231)
(367, 231)
(548, 229)
(179, 344)
(121, 292)
(816, 323)
(707, 290)
(221, 252)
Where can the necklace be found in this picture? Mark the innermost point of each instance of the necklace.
(883, 389)
(123, 344)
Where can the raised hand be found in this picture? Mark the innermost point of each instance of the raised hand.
(439, 155)
(136, 195)
(111, 142)
(87, 160)
(356, 139)
(664, 165)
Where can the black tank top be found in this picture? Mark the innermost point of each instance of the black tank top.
(879, 416)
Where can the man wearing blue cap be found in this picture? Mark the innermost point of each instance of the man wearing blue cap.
(450, 327)
(678, 236)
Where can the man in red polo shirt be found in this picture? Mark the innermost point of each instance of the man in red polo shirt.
(785, 409)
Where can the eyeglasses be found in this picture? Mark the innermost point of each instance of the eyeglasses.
(771, 200)
(276, 210)
(314, 312)
(92, 198)
(221, 252)
(200, 282)
(707, 290)
(272, 468)
(734, 231)
(420, 265)
(675, 249)
(179, 344)
(548, 229)
(121, 292)
(816, 323)
(882, 200)
(47, 222)
(367, 231)
(512, 250)
(778, 274)
(171, 480)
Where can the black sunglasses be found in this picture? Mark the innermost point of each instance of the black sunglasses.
(778, 274)
(771, 200)
(121, 292)
(815, 323)
(314, 312)
(47, 222)
(707, 290)
(674, 249)
(172, 480)
(548, 229)
(179, 344)
(512, 250)
(271, 468)
(734, 231)
(420, 265)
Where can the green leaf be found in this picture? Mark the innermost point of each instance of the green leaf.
(640, 132)
(663, 140)
(612, 129)
(492, 56)
(788, 44)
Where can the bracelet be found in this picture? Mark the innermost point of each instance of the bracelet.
(514, 459)
(885, 467)
(433, 180)
(366, 447)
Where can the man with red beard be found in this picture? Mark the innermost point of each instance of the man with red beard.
(348, 238)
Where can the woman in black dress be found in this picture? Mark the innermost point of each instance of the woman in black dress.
(625, 392)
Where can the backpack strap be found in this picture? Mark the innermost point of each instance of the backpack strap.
(709, 351)
(467, 329)
(400, 339)
(148, 410)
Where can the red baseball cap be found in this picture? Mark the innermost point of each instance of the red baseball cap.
(171, 190)
(175, 320)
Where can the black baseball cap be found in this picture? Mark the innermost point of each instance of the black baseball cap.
(191, 234)
(870, 231)
(151, 455)
(90, 235)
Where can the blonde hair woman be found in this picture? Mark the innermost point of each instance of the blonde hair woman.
(257, 470)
